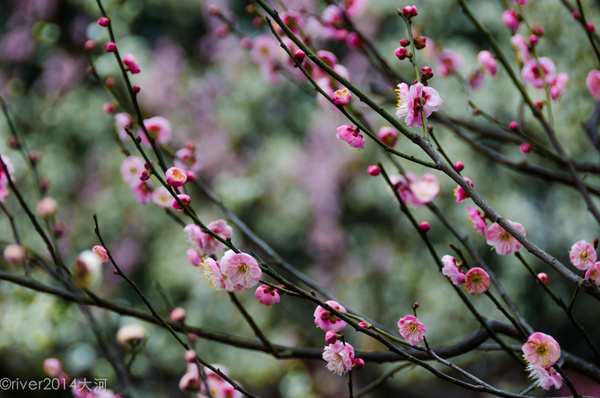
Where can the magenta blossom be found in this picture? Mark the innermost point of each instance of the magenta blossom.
(339, 357)
(593, 83)
(131, 64)
(102, 253)
(593, 273)
(142, 190)
(412, 330)
(582, 255)
(388, 135)
(541, 350)
(159, 128)
(452, 271)
(212, 273)
(511, 19)
(175, 177)
(478, 221)
(531, 72)
(521, 48)
(409, 103)
(501, 240)
(477, 281)
(460, 194)
(327, 320)
(341, 97)
(267, 295)
(487, 62)
(351, 135)
(545, 378)
(559, 85)
(206, 243)
(240, 269)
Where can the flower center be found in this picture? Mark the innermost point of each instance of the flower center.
(542, 350)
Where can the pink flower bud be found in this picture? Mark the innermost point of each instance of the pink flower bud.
(246, 43)
(104, 22)
(388, 135)
(542, 276)
(185, 199)
(46, 207)
(426, 73)
(102, 253)
(193, 337)
(330, 337)
(576, 15)
(110, 82)
(405, 42)
(537, 30)
(110, 47)
(131, 336)
(222, 31)
(52, 367)
(14, 254)
(191, 176)
(525, 148)
(425, 226)
(299, 55)
(459, 166)
(176, 177)
(420, 42)
(110, 107)
(89, 45)
(514, 126)
(178, 315)
(136, 88)
(267, 295)
(373, 170)
(131, 64)
(147, 166)
(190, 356)
(358, 363)
(401, 53)
(341, 97)
(363, 324)
(511, 19)
(214, 9)
(410, 11)
(534, 39)
(590, 26)
(144, 175)
(354, 40)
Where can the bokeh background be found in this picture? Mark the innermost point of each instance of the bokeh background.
(269, 150)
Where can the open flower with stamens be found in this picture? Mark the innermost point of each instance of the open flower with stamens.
(339, 357)
(477, 281)
(479, 223)
(412, 330)
(582, 255)
(452, 271)
(409, 103)
(212, 273)
(240, 269)
(545, 378)
(327, 320)
(541, 350)
(501, 240)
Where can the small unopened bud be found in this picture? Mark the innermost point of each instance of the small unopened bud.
(89, 45)
(424, 226)
(459, 166)
(191, 176)
(590, 26)
(257, 22)
(330, 337)
(147, 166)
(110, 107)
(136, 89)
(131, 336)
(144, 175)
(222, 31)
(246, 43)
(373, 170)
(190, 356)
(410, 11)
(534, 39)
(537, 30)
(420, 42)
(104, 22)
(595, 243)
(193, 337)
(576, 15)
(514, 126)
(363, 324)
(214, 9)
(476, 112)
(299, 56)
(358, 364)
(44, 184)
(14, 254)
(178, 315)
(110, 47)
(59, 230)
(405, 42)
(110, 82)
(415, 305)
(34, 157)
(138, 139)
(46, 207)
(185, 199)
(539, 104)
(426, 73)
(13, 142)
(354, 40)
(388, 135)
(401, 53)
(525, 148)
(543, 277)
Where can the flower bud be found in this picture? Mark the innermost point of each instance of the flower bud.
(373, 170)
(363, 324)
(136, 88)
(576, 15)
(405, 42)
(110, 47)
(131, 336)
(214, 9)
(14, 254)
(330, 337)
(358, 364)
(459, 166)
(525, 148)
(543, 277)
(104, 22)
(410, 11)
(537, 30)
(178, 315)
(401, 53)
(388, 135)
(110, 82)
(514, 126)
(185, 199)
(34, 157)
(426, 73)
(190, 356)
(46, 207)
(424, 226)
(590, 26)
(533, 39)
(144, 175)
(420, 42)
(354, 40)
(89, 46)
(299, 56)
(52, 367)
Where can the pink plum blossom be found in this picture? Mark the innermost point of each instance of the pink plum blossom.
(178, 314)
(460, 194)
(341, 97)
(46, 207)
(412, 330)
(402, 184)
(545, 378)
(187, 159)
(449, 62)
(373, 170)
(142, 191)
(194, 257)
(327, 320)
(159, 128)
(162, 197)
(131, 64)
(487, 62)
(218, 387)
(123, 120)
(478, 221)
(14, 254)
(501, 240)
(593, 273)
(409, 103)
(559, 85)
(511, 19)
(520, 45)
(451, 270)
(204, 242)
(102, 253)
(339, 357)
(582, 255)
(426, 188)
(531, 72)
(267, 295)
(593, 83)
(241, 270)
(410, 11)
(476, 79)
(388, 135)
(331, 337)
(541, 350)
(477, 281)
(131, 168)
(212, 273)
(351, 135)
(183, 198)
(175, 176)
(4, 189)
